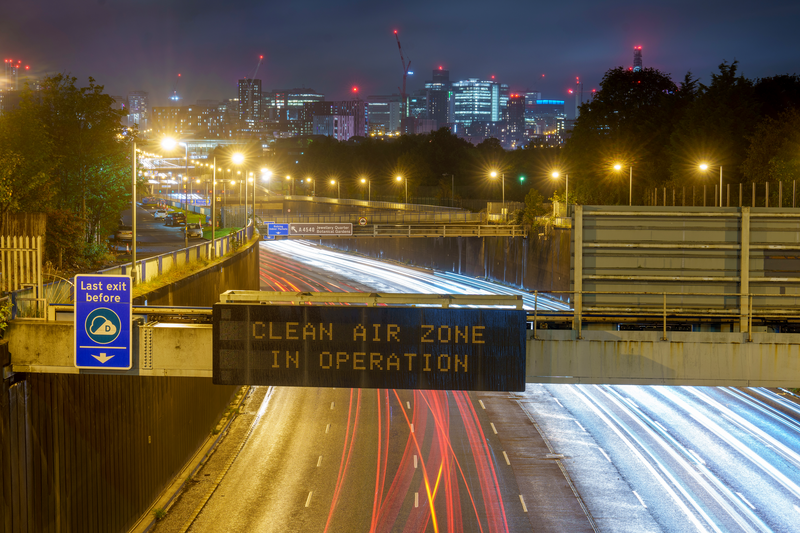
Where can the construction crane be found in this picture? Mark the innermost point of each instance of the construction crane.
(249, 95)
(175, 96)
(406, 66)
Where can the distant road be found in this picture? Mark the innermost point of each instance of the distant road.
(153, 237)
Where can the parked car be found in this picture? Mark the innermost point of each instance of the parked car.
(194, 230)
(175, 219)
(124, 233)
(159, 213)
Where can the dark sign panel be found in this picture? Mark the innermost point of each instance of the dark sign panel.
(369, 347)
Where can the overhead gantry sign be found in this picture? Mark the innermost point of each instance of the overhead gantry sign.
(369, 347)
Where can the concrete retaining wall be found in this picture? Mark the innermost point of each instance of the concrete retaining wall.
(540, 262)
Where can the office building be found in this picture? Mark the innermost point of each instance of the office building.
(475, 101)
(383, 114)
(637, 58)
(250, 102)
(138, 111)
(439, 97)
(340, 127)
(354, 108)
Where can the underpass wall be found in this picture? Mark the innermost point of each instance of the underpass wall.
(540, 262)
(90, 453)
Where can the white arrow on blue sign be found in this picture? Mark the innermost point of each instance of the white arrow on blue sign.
(103, 333)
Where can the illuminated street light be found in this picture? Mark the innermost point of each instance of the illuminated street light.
(555, 176)
(338, 188)
(369, 188)
(618, 167)
(704, 167)
(400, 178)
(503, 182)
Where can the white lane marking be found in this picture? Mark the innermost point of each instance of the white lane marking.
(748, 503)
(416, 499)
(415, 461)
(493, 428)
(319, 461)
(308, 500)
(333, 404)
(412, 428)
(522, 501)
(661, 427)
(506, 456)
(579, 425)
(640, 499)
(408, 404)
(694, 454)
(796, 508)
(559, 403)
(327, 428)
(605, 454)
(481, 402)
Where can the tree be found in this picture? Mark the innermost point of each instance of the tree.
(774, 151)
(25, 165)
(90, 155)
(715, 126)
(628, 121)
(534, 208)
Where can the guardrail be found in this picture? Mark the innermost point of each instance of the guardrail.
(423, 230)
(152, 267)
(672, 308)
(375, 218)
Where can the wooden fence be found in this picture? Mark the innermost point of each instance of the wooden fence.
(20, 263)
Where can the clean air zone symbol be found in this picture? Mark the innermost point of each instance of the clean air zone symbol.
(103, 325)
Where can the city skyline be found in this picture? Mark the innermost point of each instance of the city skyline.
(128, 45)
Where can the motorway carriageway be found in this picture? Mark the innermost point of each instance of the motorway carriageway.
(641, 458)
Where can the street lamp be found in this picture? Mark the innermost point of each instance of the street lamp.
(289, 179)
(369, 188)
(314, 183)
(503, 182)
(704, 167)
(555, 176)
(338, 188)
(169, 143)
(618, 167)
(400, 178)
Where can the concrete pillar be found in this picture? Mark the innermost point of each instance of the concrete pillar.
(744, 268)
(577, 236)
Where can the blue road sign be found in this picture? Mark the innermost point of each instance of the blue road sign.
(276, 230)
(103, 333)
(267, 236)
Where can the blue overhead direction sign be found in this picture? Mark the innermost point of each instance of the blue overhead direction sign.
(267, 236)
(277, 230)
(103, 313)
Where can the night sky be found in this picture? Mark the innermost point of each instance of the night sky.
(332, 46)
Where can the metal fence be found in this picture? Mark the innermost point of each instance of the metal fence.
(451, 216)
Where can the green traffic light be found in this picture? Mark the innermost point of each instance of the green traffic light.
(522, 178)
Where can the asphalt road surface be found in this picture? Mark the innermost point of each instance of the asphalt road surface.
(641, 458)
(153, 237)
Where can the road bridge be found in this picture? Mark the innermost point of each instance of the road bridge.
(178, 342)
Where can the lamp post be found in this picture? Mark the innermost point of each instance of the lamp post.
(618, 167)
(214, 211)
(169, 144)
(555, 176)
(503, 182)
(369, 188)
(133, 215)
(289, 179)
(704, 167)
(338, 188)
(400, 178)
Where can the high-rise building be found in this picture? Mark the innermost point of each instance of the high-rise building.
(354, 108)
(637, 58)
(476, 101)
(250, 102)
(383, 114)
(418, 104)
(285, 104)
(514, 130)
(439, 98)
(138, 111)
(578, 96)
(340, 127)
